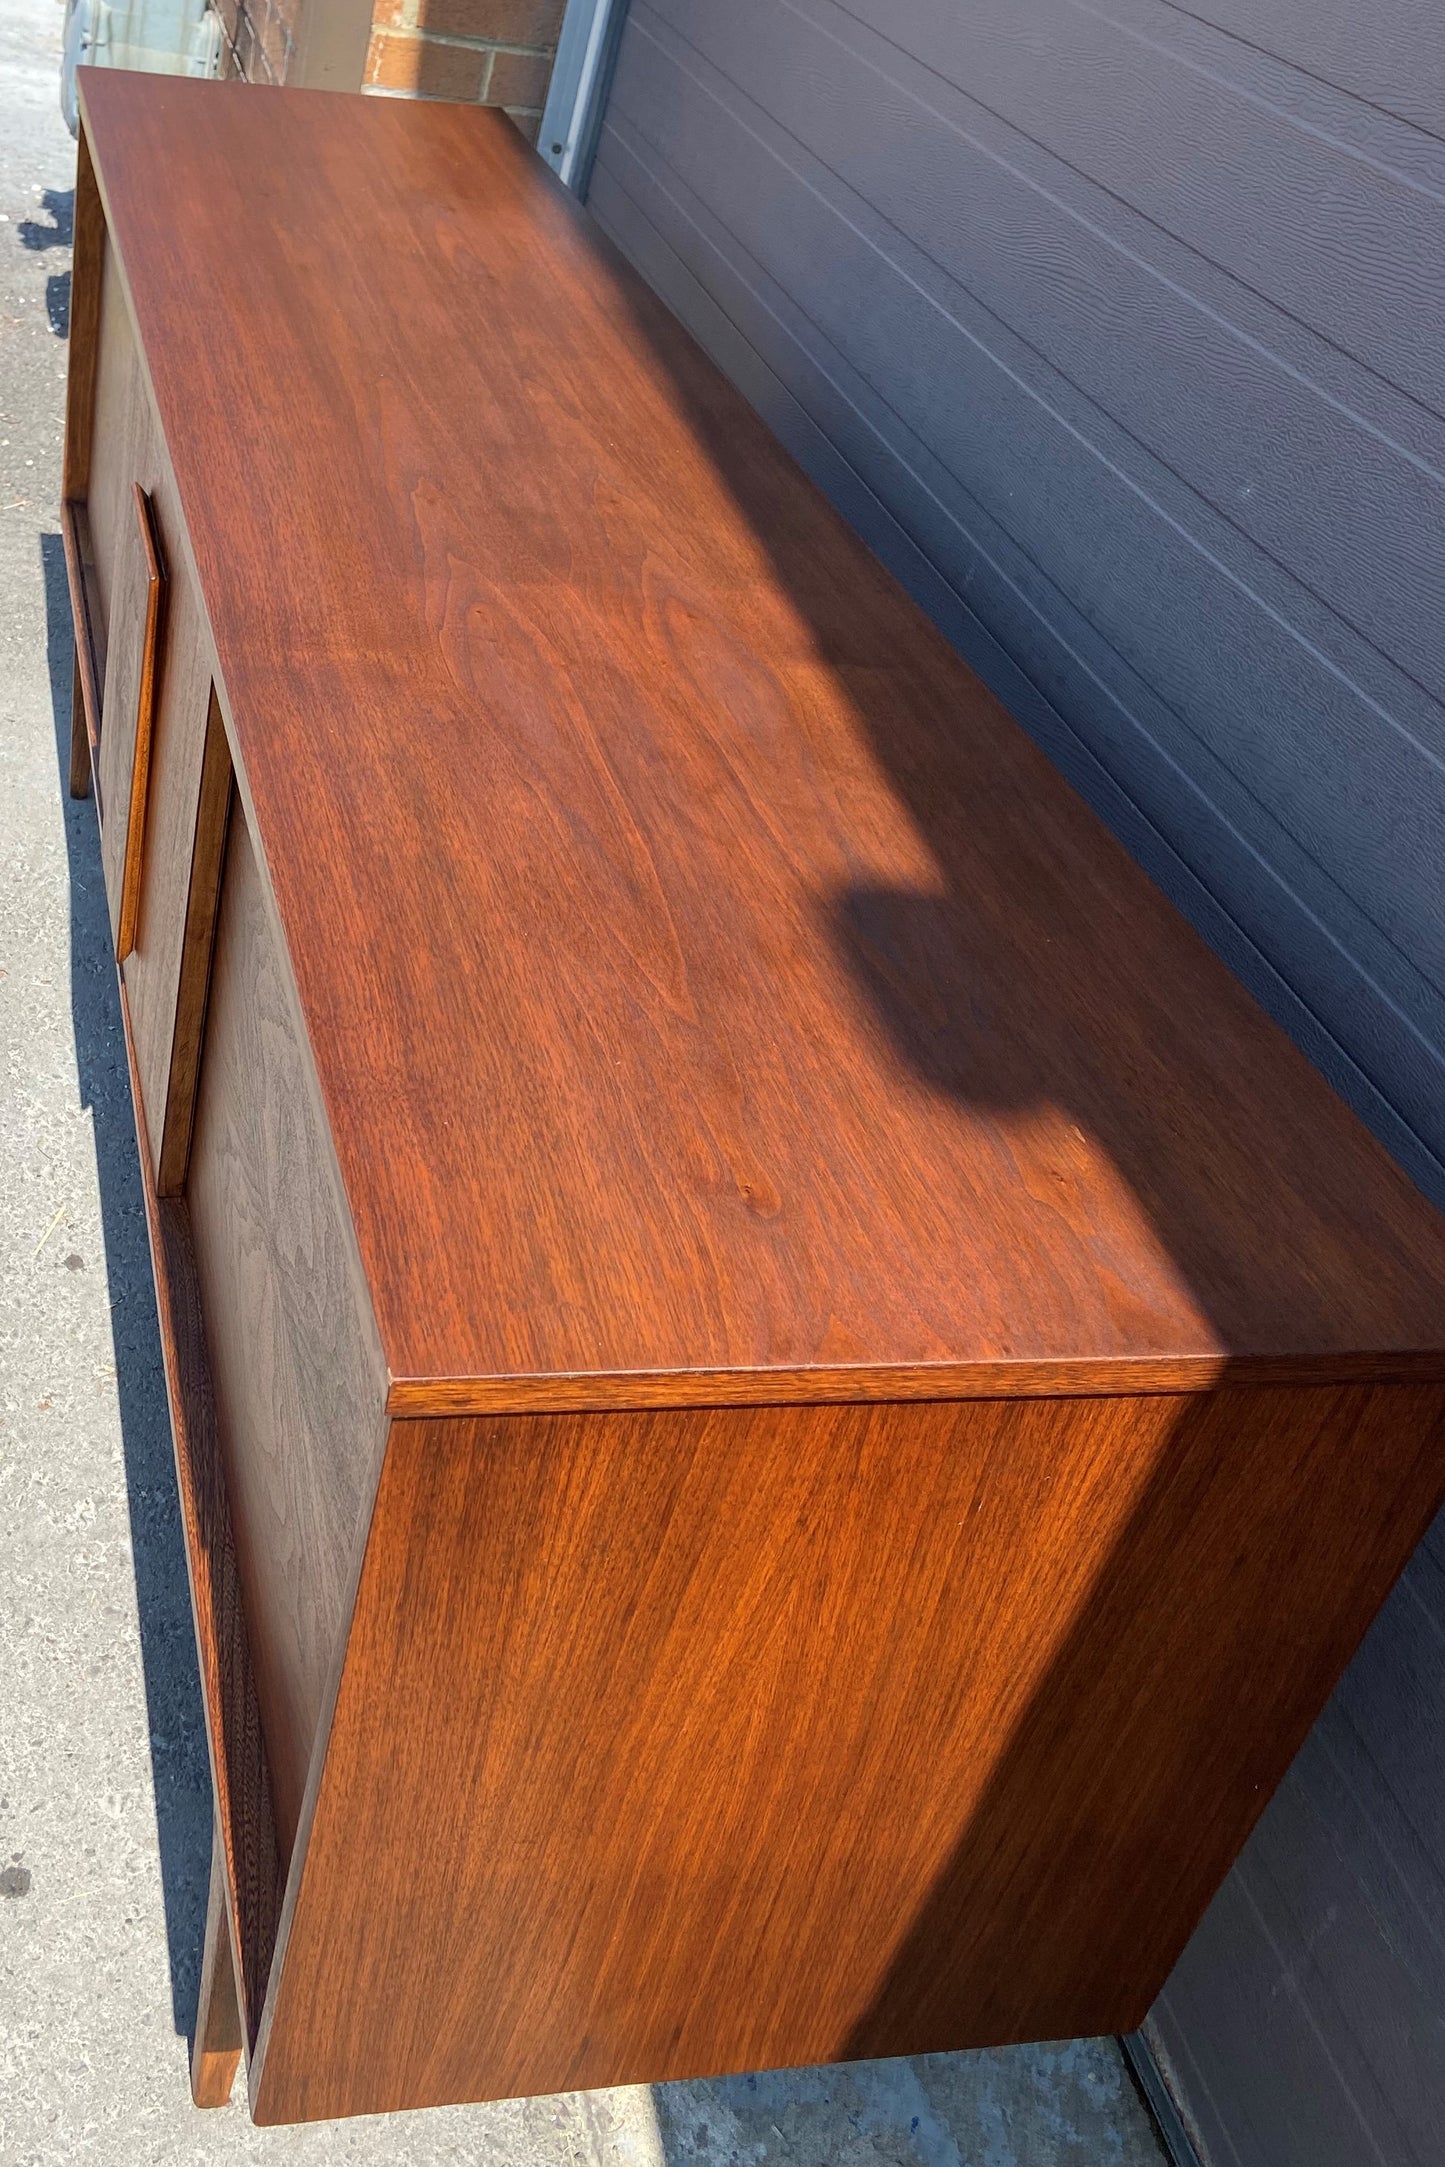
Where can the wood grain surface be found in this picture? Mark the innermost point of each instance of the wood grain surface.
(174, 825)
(123, 435)
(216, 2044)
(127, 455)
(730, 1747)
(602, 954)
(83, 342)
(87, 260)
(147, 694)
(202, 902)
(89, 673)
(240, 1780)
(109, 578)
(296, 1372)
(692, 955)
(1027, 286)
(80, 700)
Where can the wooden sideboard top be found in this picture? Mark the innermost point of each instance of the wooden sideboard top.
(714, 995)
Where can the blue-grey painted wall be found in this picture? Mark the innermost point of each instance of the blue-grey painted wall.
(1118, 327)
(1304, 2025)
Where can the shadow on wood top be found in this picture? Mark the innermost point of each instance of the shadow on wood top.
(703, 974)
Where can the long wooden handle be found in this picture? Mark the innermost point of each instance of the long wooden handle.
(145, 716)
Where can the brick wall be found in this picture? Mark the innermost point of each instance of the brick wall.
(258, 38)
(486, 52)
(482, 52)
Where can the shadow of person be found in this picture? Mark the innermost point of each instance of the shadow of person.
(179, 1764)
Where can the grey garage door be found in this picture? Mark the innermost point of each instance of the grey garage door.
(1119, 330)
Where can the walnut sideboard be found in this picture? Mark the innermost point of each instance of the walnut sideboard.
(787, 1401)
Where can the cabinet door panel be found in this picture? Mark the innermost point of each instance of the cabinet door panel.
(179, 868)
(298, 1375)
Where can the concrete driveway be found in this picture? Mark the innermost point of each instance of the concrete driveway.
(105, 1812)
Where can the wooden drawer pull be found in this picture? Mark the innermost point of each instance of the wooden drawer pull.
(145, 715)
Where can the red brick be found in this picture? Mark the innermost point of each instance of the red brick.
(520, 79)
(500, 22)
(428, 70)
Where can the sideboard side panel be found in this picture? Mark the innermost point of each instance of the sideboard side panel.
(297, 1371)
(680, 1742)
